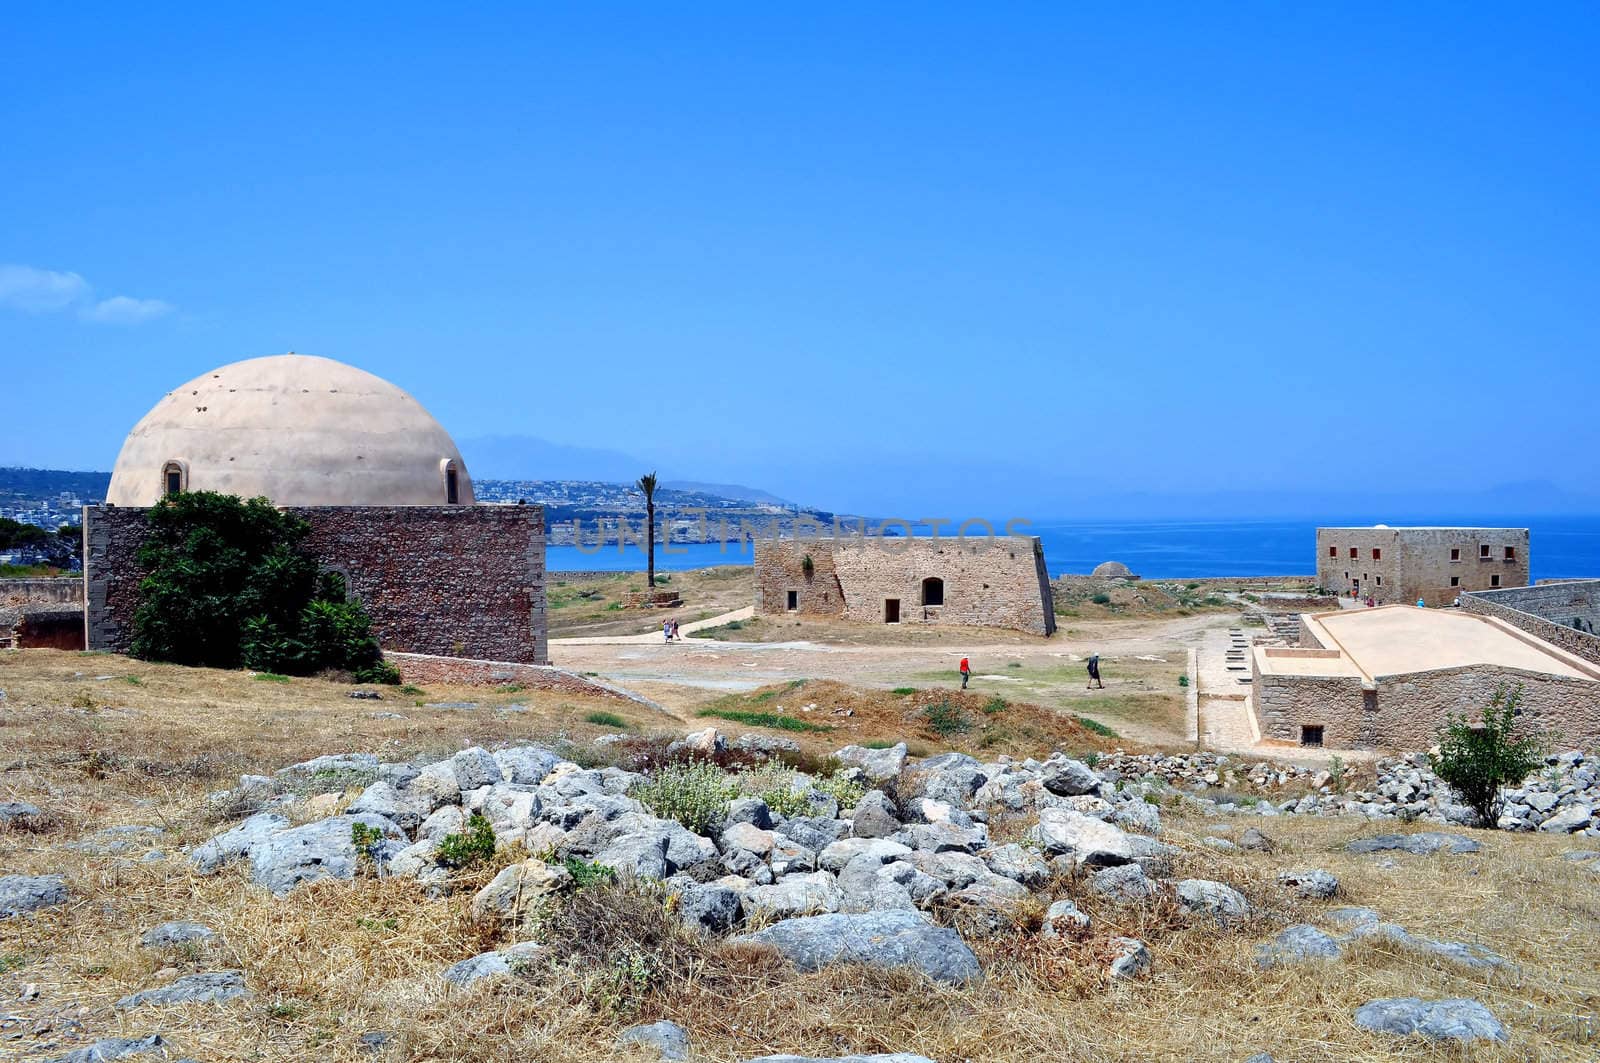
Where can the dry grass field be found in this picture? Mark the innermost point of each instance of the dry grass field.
(336, 960)
(589, 604)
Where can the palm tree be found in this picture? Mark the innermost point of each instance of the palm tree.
(647, 484)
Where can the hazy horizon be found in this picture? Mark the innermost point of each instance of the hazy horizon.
(879, 260)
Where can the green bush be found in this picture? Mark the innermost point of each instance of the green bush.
(586, 873)
(945, 719)
(903, 690)
(227, 584)
(695, 794)
(765, 719)
(1101, 599)
(1477, 760)
(1095, 727)
(606, 719)
(475, 846)
(995, 706)
(845, 791)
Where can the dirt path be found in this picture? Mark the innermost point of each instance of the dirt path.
(653, 636)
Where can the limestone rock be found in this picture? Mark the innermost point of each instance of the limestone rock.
(711, 907)
(1213, 898)
(879, 765)
(20, 894)
(795, 895)
(317, 850)
(1092, 842)
(874, 816)
(1574, 817)
(18, 813)
(1063, 919)
(1131, 960)
(1312, 883)
(837, 855)
(167, 935)
(667, 1039)
(110, 1048)
(751, 810)
(1297, 944)
(208, 857)
(500, 964)
(1438, 1020)
(1125, 883)
(878, 939)
(1018, 864)
(525, 765)
(1421, 843)
(214, 987)
(517, 889)
(1069, 778)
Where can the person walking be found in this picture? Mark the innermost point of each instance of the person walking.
(666, 631)
(677, 634)
(966, 672)
(1094, 672)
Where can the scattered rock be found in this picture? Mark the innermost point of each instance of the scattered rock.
(214, 987)
(879, 939)
(1438, 1020)
(1125, 884)
(322, 849)
(668, 1039)
(1068, 778)
(19, 814)
(874, 816)
(1421, 844)
(512, 893)
(21, 894)
(1297, 944)
(1092, 842)
(878, 765)
(1213, 898)
(795, 895)
(1062, 919)
(1255, 841)
(1312, 883)
(111, 1048)
(1131, 959)
(209, 857)
(711, 907)
(500, 964)
(167, 935)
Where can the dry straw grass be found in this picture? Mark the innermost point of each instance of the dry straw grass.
(335, 960)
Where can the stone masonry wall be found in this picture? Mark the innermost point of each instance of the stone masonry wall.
(1413, 706)
(458, 581)
(1546, 612)
(1284, 703)
(1415, 562)
(999, 582)
(51, 590)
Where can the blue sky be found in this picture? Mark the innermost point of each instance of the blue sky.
(869, 259)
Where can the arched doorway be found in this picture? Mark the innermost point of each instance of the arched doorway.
(933, 591)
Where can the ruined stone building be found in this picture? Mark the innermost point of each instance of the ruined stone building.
(984, 582)
(384, 489)
(1436, 565)
(1387, 678)
(1565, 613)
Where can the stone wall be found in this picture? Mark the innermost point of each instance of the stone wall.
(1286, 703)
(1413, 706)
(458, 581)
(52, 590)
(36, 625)
(421, 668)
(1415, 562)
(999, 582)
(1547, 611)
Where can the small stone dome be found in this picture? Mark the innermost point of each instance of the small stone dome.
(300, 430)
(1111, 570)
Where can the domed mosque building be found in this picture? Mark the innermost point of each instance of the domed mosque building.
(380, 482)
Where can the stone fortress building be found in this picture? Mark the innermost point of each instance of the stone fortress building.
(1436, 565)
(975, 581)
(381, 483)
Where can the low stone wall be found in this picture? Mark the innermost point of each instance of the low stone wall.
(461, 581)
(1546, 611)
(50, 625)
(421, 668)
(53, 590)
(1286, 703)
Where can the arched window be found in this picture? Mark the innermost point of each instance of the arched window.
(933, 591)
(174, 478)
(452, 482)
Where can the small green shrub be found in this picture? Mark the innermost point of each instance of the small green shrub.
(1101, 599)
(133, 680)
(586, 873)
(878, 743)
(845, 791)
(412, 689)
(945, 719)
(1183, 680)
(695, 794)
(271, 677)
(475, 846)
(903, 690)
(994, 706)
(773, 720)
(1096, 727)
(1091, 758)
(1477, 760)
(606, 719)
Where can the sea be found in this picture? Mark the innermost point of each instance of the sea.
(1168, 549)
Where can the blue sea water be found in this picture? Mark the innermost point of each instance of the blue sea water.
(1559, 546)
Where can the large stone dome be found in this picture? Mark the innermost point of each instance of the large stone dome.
(303, 431)
(1112, 570)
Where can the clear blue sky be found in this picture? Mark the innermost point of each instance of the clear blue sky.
(872, 259)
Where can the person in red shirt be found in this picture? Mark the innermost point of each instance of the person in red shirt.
(966, 672)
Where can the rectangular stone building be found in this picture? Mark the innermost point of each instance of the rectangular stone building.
(452, 581)
(1436, 565)
(974, 581)
(1387, 678)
